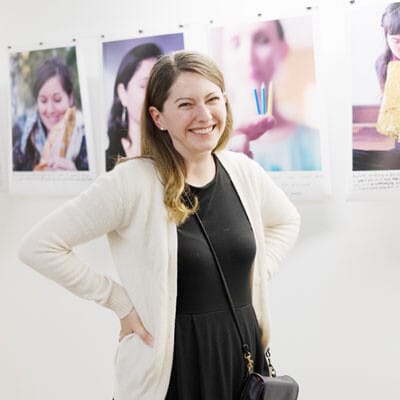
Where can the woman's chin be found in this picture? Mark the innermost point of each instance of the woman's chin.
(50, 125)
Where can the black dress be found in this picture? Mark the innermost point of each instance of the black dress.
(208, 362)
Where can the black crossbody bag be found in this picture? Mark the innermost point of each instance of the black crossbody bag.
(256, 386)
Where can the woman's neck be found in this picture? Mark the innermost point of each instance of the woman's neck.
(201, 171)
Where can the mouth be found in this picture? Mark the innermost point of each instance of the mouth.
(53, 120)
(203, 131)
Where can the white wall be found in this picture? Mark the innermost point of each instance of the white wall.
(335, 300)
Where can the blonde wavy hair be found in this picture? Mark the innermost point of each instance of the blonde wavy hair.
(156, 144)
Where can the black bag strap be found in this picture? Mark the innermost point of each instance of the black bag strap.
(245, 347)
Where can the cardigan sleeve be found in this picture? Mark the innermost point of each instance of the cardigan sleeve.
(48, 247)
(281, 220)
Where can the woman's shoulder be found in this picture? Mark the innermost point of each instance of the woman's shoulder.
(26, 121)
(304, 133)
(245, 173)
(127, 180)
(237, 160)
(141, 168)
(243, 169)
(232, 156)
(79, 117)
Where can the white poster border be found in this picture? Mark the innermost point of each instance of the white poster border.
(302, 185)
(55, 183)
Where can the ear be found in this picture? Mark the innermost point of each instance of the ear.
(121, 91)
(157, 118)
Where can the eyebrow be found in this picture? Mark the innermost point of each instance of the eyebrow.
(191, 98)
(51, 94)
(182, 98)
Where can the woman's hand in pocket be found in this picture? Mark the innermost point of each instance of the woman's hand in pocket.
(133, 324)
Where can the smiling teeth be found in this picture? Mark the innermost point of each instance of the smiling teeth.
(203, 131)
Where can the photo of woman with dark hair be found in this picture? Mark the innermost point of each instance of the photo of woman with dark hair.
(124, 120)
(376, 122)
(127, 65)
(50, 135)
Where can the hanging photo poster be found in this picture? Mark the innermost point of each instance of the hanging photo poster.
(269, 69)
(126, 67)
(375, 99)
(51, 138)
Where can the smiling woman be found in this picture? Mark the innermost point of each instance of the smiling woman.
(173, 313)
(194, 118)
(53, 102)
(51, 137)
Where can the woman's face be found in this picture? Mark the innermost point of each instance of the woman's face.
(394, 44)
(133, 95)
(194, 115)
(257, 49)
(52, 102)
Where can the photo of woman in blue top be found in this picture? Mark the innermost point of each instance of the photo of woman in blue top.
(258, 51)
(50, 136)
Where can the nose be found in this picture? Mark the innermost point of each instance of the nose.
(50, 108)
(203, 112)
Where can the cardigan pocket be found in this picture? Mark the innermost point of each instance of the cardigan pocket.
(126, 337)
(133, 360)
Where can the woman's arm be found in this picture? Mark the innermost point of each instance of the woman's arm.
(48, 247)
(280, 218)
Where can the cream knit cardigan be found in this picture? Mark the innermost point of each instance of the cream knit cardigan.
(127, 205)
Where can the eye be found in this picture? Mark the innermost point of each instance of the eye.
(261, 39)
(214, 99)
(184, 105)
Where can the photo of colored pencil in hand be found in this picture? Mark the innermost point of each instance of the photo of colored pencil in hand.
(266, 104)
(263, 99)
(257, 101)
